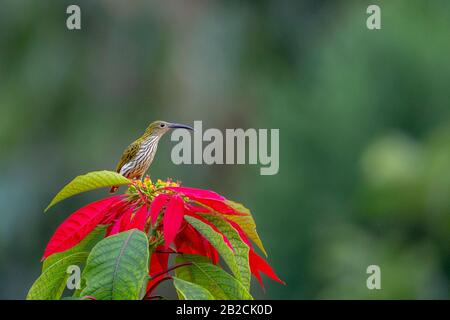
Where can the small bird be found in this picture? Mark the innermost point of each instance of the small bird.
(139, 155)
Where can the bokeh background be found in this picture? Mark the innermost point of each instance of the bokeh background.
(364, 119)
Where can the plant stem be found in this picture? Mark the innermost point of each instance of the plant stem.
(171, 269)
(149, 291)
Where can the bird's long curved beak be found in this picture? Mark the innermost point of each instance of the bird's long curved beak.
(179, 126)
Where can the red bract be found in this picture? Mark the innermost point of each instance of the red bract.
(194, 193)
(115, 211)
(173, 217)
(257, 263)
(196, 209)
(140, 218)
(157, 205)
(128, 221)
(78, 225)
(190, 241)
(120, 223)
(207, 198)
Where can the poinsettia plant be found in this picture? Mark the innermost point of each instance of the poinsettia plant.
(126, 245)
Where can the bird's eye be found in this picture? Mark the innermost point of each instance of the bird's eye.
(162, 125)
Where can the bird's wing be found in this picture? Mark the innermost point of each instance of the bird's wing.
(129, 153)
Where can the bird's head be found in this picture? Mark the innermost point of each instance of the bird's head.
(160, 127)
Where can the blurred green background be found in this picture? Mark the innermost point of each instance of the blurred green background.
(364, 119)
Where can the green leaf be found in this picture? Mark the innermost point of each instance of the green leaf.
(219, 283)
(218, 242)
(241, 249)
(52, 282)
(77, 298)
(190, 291)
(89, 181)
(61, 261)
(117, 267)
(246, 223)
(85, 246)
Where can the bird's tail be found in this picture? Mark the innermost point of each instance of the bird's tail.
(113, 189)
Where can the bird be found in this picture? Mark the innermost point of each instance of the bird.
(138, 156)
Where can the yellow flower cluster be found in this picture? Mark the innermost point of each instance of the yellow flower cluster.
(149, 188)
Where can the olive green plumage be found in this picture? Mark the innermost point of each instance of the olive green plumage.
(139, 155)
(131, 151)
